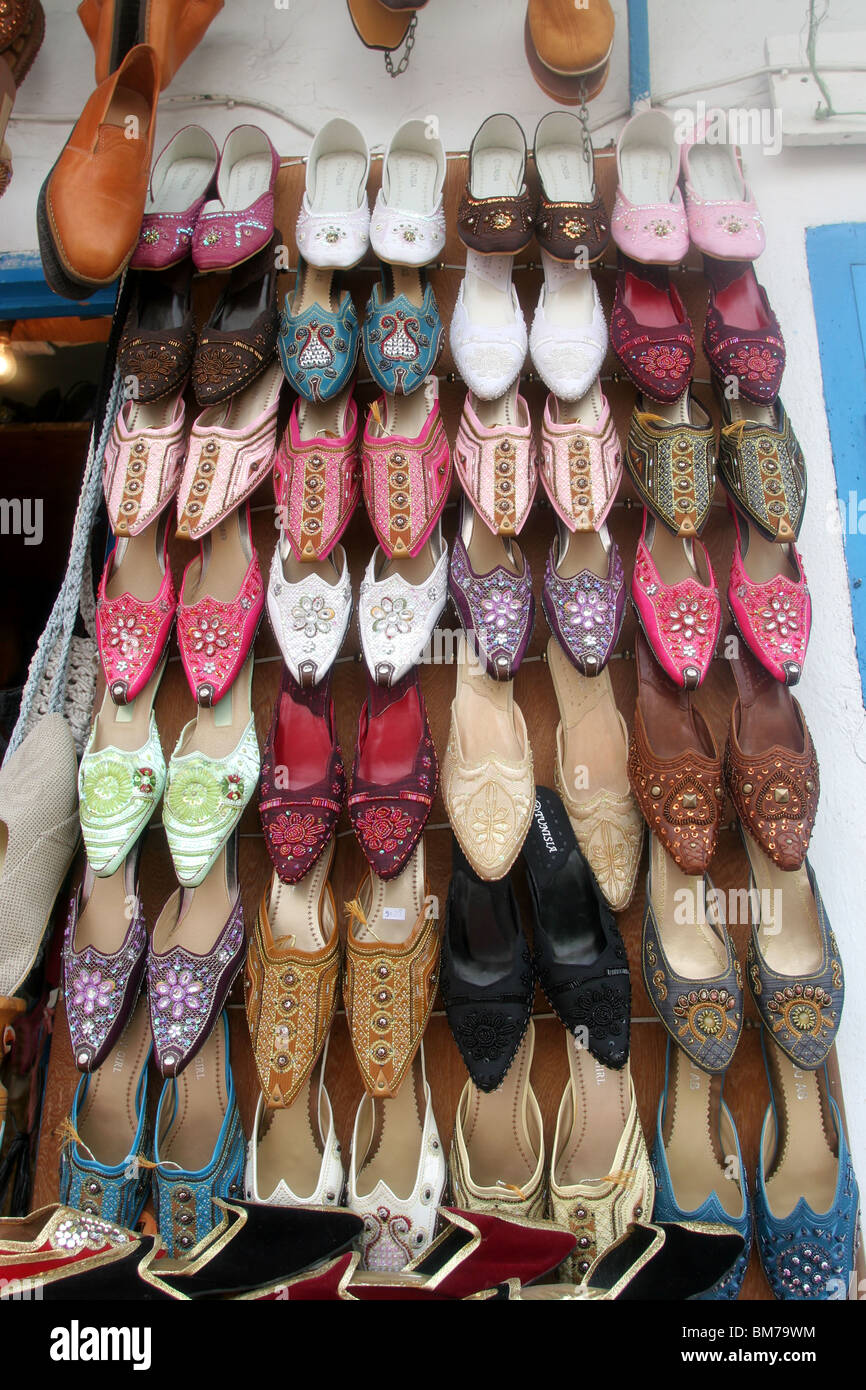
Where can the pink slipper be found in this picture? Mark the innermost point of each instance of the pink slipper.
(775, 617)
(143, 460)
(215, 635)
(317, 477)
(131, 633)
(681, 621)
(497, 461)
(239, 221)
(406, 474)
(580, 467)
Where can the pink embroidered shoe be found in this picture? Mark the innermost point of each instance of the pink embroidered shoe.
(231, 450)
(181, 180)
(143, 460)
(132, 632)
(774, 616)
(723, 217)
(317, 475)
(581, 465)
(649, 219)
(239, 221)
(496, 460)
(407, 469)
(215, 634)
(681, 620)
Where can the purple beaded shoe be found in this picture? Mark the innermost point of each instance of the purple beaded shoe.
(492, 593)
(100, 986)
(584, 610)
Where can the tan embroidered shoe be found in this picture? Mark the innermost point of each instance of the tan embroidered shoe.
(497, 1151)
(600, 1179)
(392, 966)
(292, 980)
(488, 782)
(591, 777)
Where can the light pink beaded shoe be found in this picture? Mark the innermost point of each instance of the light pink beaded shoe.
(649, 219)
(317, 474)
(406, 469)
(495, 456)
(681, 620)
(773, 611)
(143, 461)
(131, 631)
(580, 466)
(723, 217)
(222, 598)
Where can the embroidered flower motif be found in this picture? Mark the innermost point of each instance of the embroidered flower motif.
(383, 828)
(664, 360)
(179, 991)
(392, 616)
(107, 787)
(601, 1010)
(485, 1036)
(233, 787)
(754, 363)
(490, 823)
(145, 780)
(500, 609)
(312, 615)
(781, 617)
(295, 835)
(210, 636)
(689, 618)
(195, 793)
(587, 610)
(92, 991)
(127, 635)
(661, 226)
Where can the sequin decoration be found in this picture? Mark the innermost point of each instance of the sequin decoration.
(100, 987)
(497, 608)
(186, 991)
(585, 612)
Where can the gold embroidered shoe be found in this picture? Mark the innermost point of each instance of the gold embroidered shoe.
(487, 777)
(292, 979)
(392, 965)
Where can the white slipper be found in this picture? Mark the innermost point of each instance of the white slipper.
(488, 330)
(333, 226)
(568, 341)
(400, 604)
(309, 605)
(408, 224)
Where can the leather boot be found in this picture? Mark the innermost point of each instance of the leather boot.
(172, 27)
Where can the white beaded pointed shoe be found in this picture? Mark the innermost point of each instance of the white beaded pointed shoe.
(568, 340)
(293, 1158)
(488, 331)
(309, 605)
(408, 224)
(399, 606)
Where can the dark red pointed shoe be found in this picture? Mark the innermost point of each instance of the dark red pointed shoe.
(650, 331)
(303, 784)
(742, 337)
(395, 775)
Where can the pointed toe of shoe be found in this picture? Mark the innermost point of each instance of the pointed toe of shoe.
(296, 835)
(387, 830)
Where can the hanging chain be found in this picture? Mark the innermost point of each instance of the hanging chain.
(403, 64)
(588, 152)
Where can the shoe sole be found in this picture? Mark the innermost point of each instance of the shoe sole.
(569, 88)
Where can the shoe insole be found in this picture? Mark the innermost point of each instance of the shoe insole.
(219, 571)
(217, 729)
(675, 557)
(651, 306)
(584, 550)
(740, 303)
(190, 1136)
(693, 949)
(713, 173)
(676, 412)
(127, 727)
(340, 182)
(766, 713)
(136, 566)
(390, 1137)
(127, 106)
(194, 917)
(301, 915)
(184, 182)
(392, 908)
(488, 296)
(500, 1128)
(314, 286)
(150, 415)
(244, 304)
(249, 177)
(484, 714)
(330, 569)
(488, 551)
(324, 419)
(698, 1140)
(392, 739)
(289, 1145)
(482, 933)
(405, 416)
(245, 408)
(303, 743)
(586, 411)
(405, 280)
(564, 173)
(165, 305)
(592, 737)
(648, 173)
(595, 1109)
(414, 569)
(107, 1121)
(502, 410)
(669, 716)
(764, 560)
(801, 1156)
(789, 934)
(753, 414)
(412, 181)
(496, 172)
(104, 919)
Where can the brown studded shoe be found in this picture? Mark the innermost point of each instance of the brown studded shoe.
(496, 212)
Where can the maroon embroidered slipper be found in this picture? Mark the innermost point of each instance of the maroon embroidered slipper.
(395, 775)
(742, 337)
(303, 785)
(650, 331)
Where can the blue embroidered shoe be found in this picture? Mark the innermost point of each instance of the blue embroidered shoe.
(199, 1146)
(318, 346)
(401, 339)
(698, 1164)
(108, 1135)
(807, 1216)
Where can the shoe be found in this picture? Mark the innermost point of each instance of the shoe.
(495, 457)
(231, 450)
(806, 1196)
(571, 212)
(395, 774)
(769, 601)
(402, 330)
(579, 956)
(303, 785)
(670, 454)
(671, 1262)
(319, 336)
(220, 608)
(591, 777)
(132, 629)
(392, 963)
(157, 345)
(181, 181)
(239, 340)
(173, 29)
(293, 1158)
(568, 52)
(696, 1139)
(121, 777)
(649, 219)
(104, 955)
(600, 1175)
(399, 605)
(771, 768)
(488, 783)
(407, 469)
(317, 475)
(101, 1169)
(143, 463)
(238, 222)
(91, 204)
(408, 223)
(650, 332)
(292, 981)
(496, 213)
(22, 31)
(742, 337)
(40, 828)
(487, 332)
(309, 605)
(680, 613)
(397, 1174)
(568, 338)
(79, 1256)
(491, 588)
(580, 460)
(761, 466)
(198, 1146)
(693, 978)
(383, 24)
(724, 221)
(497, 1152)
(584, 596)
(213, 773)
(486, 977)
(675, 767)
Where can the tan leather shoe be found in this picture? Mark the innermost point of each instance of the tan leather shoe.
(92, 203)
(172, 27)
(569, 47)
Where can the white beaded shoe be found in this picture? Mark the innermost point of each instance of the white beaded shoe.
(488, 331)
(309, 605)
(333, 226)
(408, 224)
(287, 1166)
(568, 340)
(399, 606)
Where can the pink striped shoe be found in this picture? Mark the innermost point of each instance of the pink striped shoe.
(317, 474)
(496, 460)
(681, 621)
(580, 466)
(774, 616)
(407, 469)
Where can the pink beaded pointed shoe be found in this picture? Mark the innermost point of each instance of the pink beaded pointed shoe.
(581, 462)
(495, 456)
(132, 629)
(143, 462)
(317, 474)
(770, 601)
(681, 617)
(222, 598)
(407, 469)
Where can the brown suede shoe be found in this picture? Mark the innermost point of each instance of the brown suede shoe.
(172, 27)
(569, 48)
(91, 204)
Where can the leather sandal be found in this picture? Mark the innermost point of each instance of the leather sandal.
(238, 222)
(669, 1261)
(673, 589)
(761, 465)
(649, 218)
(402, 330)
(769, 600)
(491, 588)
(408, 223)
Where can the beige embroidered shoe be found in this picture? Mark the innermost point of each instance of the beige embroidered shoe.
(487, 777)
(600, 1179)
(591, 777)
(497, 1152)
